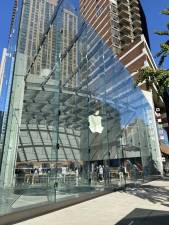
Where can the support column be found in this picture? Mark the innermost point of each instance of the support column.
(14, 122)
(154, 139)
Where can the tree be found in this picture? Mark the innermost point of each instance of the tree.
(164, 52)
(158, 77)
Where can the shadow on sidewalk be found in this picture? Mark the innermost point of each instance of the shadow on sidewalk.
(145, 217)
(155, 194)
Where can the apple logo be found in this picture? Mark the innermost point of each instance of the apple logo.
(95, 123)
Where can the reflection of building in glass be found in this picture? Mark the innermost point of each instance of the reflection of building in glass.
(41, 135)
(34, 22)
(14, 12)
(135, 140)
(69, 31)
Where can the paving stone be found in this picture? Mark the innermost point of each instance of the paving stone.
(146, 205)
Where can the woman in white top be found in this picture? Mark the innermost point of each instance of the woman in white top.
(100, 173)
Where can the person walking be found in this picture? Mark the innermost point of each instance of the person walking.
(100, 173)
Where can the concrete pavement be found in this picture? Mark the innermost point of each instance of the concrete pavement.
(148, 204)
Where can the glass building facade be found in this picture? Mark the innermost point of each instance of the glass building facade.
(74, 121)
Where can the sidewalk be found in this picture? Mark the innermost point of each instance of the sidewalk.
(146, 205)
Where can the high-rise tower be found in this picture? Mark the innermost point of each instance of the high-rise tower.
(69, 64)
(15, 5)
(118, 22)
(34, 22)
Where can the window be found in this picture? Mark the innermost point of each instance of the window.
(98, 10)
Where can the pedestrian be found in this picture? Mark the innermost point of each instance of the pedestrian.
(77, 176)
(121, 172)
(100, 173)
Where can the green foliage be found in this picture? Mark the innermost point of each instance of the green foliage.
(164, 52)
(159, 77)
(163, 32)
(165, 12)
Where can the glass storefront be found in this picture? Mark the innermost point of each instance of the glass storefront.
(76, 121)
(5, 95)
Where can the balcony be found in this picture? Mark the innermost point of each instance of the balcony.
(136, 23)
(123, 6)
(124, 21)
(124, 46)
(134, 3)
(124, 13)
(135, 9)
(126, 39)
(137, 30)
(125, 29)
(135, 16)
(122, 1)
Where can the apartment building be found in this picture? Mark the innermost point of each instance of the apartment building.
(34, 22)
(118, 22)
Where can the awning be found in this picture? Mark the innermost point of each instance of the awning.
(164, 148)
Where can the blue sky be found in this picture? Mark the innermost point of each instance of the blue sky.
(152, 10)
(5, 17)
(156, 22)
